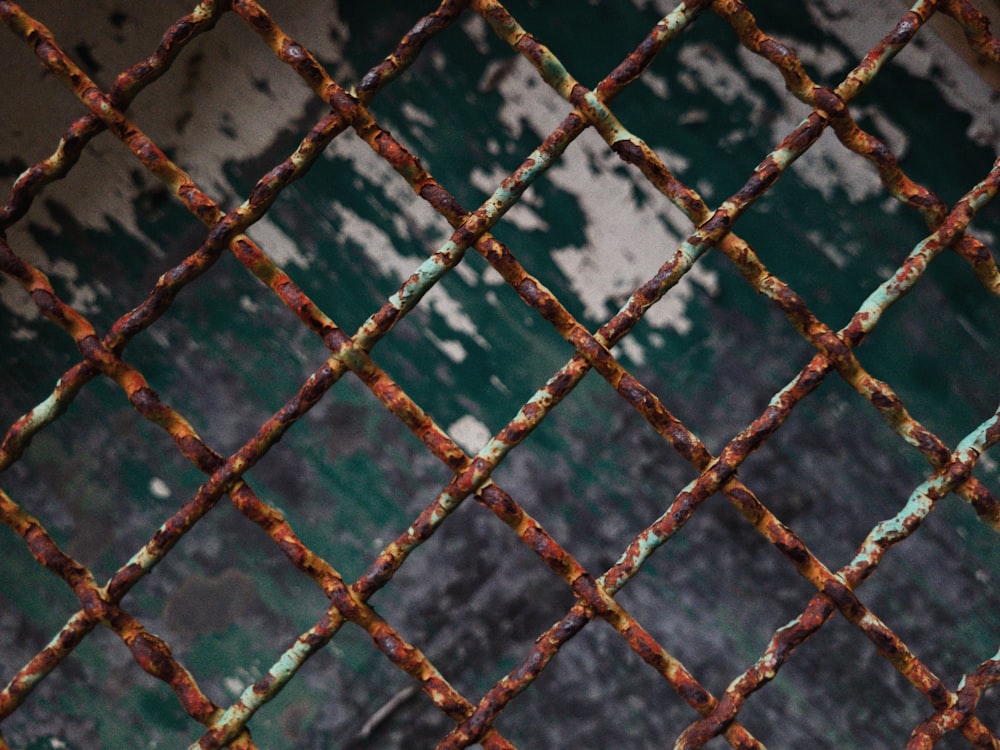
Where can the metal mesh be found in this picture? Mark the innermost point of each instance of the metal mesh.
(951, 706)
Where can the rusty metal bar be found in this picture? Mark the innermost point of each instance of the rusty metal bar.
(411, 415)
(246, 251)
(550, 69)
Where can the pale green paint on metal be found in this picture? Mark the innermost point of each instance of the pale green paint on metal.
(433, 269)
(677, 20)
(895, 287)
(250, 699)
(920, 501)
(47, 410)
(647, 542)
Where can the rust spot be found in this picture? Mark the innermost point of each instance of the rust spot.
(828, 102)
(883, 400)
(145, 400)
(762, 179)
(46, 303)
(904, 30)
(153, 655)
(441, 199)
(629, 152)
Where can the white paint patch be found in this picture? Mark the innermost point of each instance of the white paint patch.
(159, 489)
(417, 116)
(893, 135)
(470, 434)
(478, 31)
(232, 685)
(626, 240)
(227, 81)
(631, 349)
(497, 383)
(861, 25)
(248, 304)
(988, 463)
(16, 300)
(520, 215)
(377, 246)
(467, 273)
(451, 348)
(823, 62)
(631, 228)
(277, 245)
(390, 195)
(454, 315)
(833, 254)
(528, 101)
(706, 67)
(655, 83)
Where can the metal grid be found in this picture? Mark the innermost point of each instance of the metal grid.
(952, 707)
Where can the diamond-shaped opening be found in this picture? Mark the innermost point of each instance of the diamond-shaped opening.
(99, 697)
(76, 481)
(457, 357)
(473, 598)
(714, 593)
(937, 591)
(934, 353)
(832, 471)
(228, 356)
(594, 474)
(227, 600)
(829, 232)
(741, 350)
(595, 692)
(350, 477)
(835, 691)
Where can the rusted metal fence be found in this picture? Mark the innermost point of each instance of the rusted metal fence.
(951, 708)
